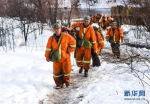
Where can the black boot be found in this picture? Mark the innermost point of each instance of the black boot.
(118, 54)
(58, 87)
(85, 73)
(81, 69)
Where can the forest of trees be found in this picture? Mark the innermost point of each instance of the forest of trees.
(35, 10)
(49, 11)
(45, 10)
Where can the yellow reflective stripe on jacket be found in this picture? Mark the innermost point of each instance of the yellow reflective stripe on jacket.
(84, 30)
(67, 74)
(115, 37)
(94, 42)
(82, 61)
(48, 49)
(73, 46)
(57, 76)
(86, 61)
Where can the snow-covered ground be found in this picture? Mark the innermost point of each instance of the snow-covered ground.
(136, 35)
(109, 84)
(26, 78)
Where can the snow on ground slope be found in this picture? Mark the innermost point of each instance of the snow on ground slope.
(108, 84)
(136, 35)
(25, 77)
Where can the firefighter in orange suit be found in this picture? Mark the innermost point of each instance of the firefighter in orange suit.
(114, 35)
(108, 21)
(99, 40)
(62, 67)
(86, 40)
(98, 18)
(102, 22)
(94, 19)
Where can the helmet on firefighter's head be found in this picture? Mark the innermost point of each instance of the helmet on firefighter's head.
(87, 18)
(56, 25)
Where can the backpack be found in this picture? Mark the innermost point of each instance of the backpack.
(55, 55)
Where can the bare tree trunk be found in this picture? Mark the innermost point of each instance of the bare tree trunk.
(69, 17)
(56, 10)
(41, 14)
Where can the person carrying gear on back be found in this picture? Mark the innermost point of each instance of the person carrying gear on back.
(86, 40)
(102, 22)
(94, 19)
(114, 35)
(98, 17)
(108, 21)
(58, 49)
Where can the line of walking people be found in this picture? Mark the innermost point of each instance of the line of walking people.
(86, 41)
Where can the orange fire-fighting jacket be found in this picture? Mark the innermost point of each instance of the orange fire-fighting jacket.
(67, 43)
(118, 34)
(100, 42)
(90, 34)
